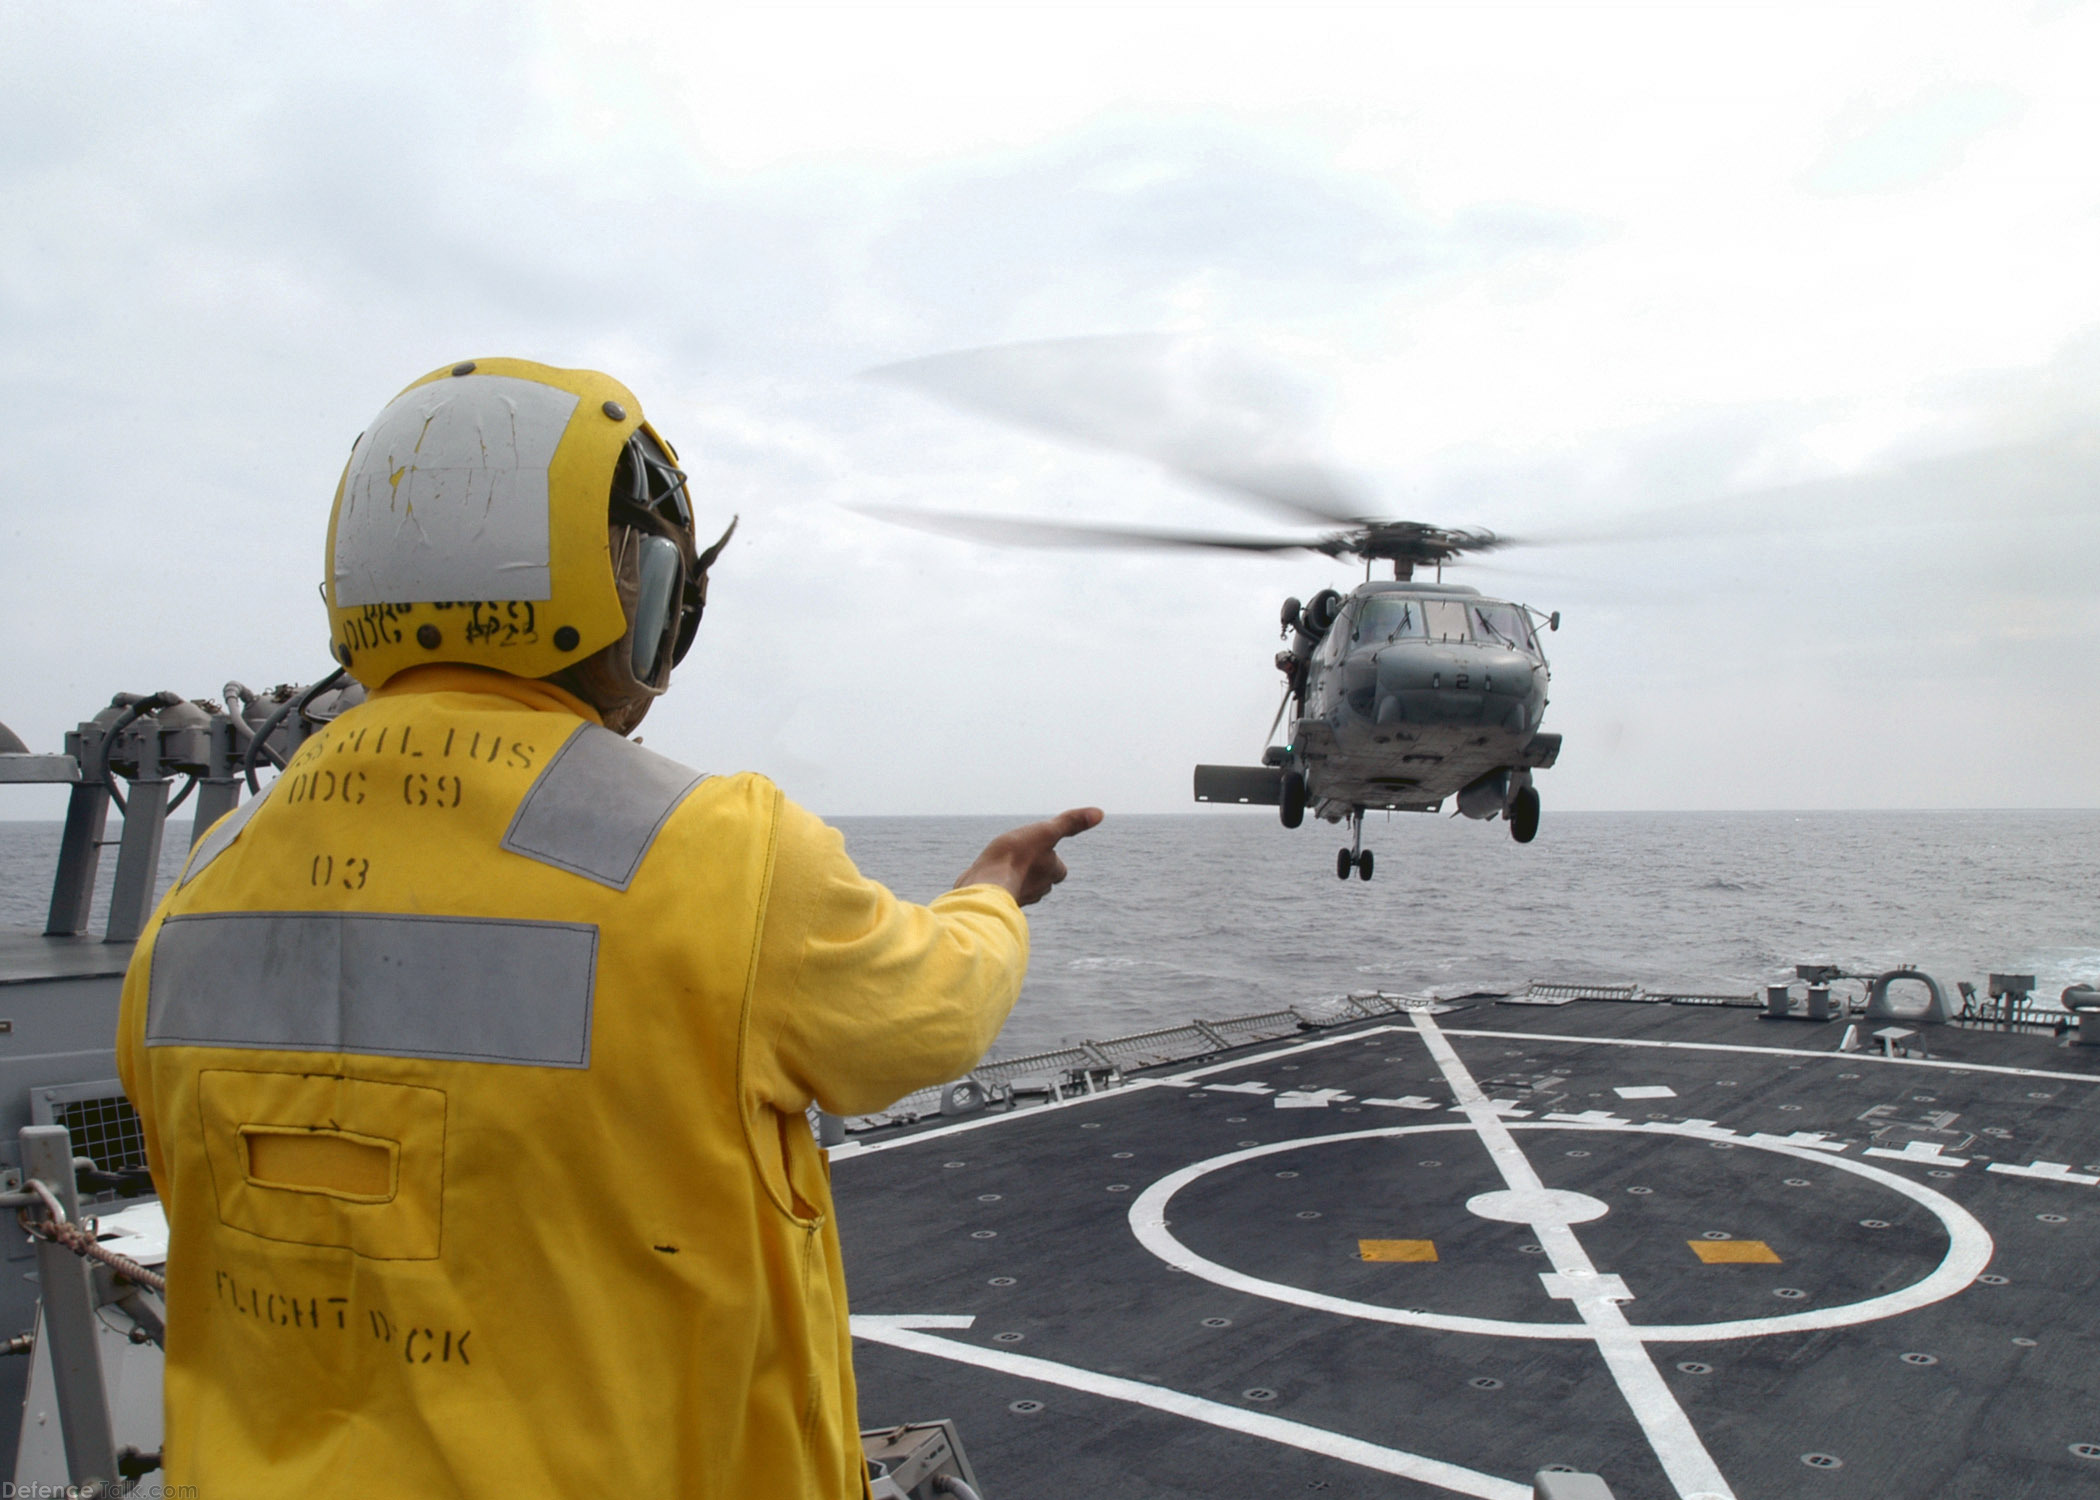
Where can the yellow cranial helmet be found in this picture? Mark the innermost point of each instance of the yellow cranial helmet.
(471, 525)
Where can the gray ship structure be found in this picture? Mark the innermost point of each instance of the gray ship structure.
(1832, 1239)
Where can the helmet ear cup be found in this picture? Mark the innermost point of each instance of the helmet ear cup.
(658, 609)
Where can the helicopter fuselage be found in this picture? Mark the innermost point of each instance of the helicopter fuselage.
(1413, 694)
(1405, 695)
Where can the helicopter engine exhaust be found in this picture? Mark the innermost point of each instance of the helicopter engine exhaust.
(1309, 625)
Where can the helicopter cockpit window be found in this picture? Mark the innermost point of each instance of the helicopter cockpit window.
(1504, 623)
(1388, 619)
(1444, 619)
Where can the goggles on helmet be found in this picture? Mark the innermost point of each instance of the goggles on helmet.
(649, 490)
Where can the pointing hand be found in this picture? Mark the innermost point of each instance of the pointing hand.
(1024, 860)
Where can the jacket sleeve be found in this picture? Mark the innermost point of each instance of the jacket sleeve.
(858, 998)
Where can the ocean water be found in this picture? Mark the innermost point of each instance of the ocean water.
(1218, 914)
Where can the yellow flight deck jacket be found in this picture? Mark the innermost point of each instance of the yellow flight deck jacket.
(473, 1060)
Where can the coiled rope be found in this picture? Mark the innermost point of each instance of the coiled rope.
(59, 1230)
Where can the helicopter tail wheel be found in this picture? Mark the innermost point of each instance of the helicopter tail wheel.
(1524, 816)
(1363, 865)
(1292, 808)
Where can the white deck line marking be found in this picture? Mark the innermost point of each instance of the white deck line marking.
(1843, 1057)
(1291, 1051)
(1691, 1469)
(901, 1333)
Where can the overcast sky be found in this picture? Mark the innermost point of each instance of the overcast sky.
(1819, 283)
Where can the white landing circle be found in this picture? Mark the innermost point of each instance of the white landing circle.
(1969, 1247)
(1537, 1206)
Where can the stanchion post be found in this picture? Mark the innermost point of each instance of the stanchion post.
(68, 1286)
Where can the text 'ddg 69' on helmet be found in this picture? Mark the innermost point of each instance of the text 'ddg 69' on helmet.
(479, 518)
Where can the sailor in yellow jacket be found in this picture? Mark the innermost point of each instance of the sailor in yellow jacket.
(473, 1056)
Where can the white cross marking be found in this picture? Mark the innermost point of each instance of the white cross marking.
(1815, 1140)
(1925, 1151)
(2047, 1171)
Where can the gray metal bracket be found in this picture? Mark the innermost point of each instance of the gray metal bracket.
(79, 858)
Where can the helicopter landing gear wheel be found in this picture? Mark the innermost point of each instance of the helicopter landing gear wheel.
(1524, 815)
(1356, 856)
(1292, 808)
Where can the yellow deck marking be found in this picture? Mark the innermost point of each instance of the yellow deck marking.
(1734, 1252)
(1402, 1249)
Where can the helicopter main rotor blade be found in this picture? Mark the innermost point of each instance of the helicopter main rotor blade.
(1017, 531)
(1189, 409)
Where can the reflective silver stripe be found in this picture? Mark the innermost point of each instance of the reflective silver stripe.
(446, 495)
(474, 989)
(222, 834)
(598, 807)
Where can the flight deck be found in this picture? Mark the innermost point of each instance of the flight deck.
(1688, 1248)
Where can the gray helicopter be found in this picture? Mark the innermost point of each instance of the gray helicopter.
(1401, 695)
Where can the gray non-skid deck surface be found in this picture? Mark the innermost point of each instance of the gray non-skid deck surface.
(1986, 1391)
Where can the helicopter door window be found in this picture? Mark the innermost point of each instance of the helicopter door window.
(1338, 636)
(1389, 620)
(1445, 619)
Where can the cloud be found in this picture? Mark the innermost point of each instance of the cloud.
(1522, 286)
(1886, 150)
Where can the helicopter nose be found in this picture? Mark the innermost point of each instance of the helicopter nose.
(1468, 684)
(1503, 673)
